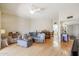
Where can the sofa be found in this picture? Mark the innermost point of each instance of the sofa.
(12, 37)
(8, 39)
(38, 37)
(33, 35)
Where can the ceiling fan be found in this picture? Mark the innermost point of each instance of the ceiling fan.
(35, 9)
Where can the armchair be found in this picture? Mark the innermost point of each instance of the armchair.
(40, 38)
(25, 41)
(4, 41)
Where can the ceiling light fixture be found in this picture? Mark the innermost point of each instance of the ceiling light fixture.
(35, 9)
(32, 12)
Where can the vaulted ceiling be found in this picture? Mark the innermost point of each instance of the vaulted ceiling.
(50, 9)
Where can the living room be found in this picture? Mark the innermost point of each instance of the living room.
(19, 21)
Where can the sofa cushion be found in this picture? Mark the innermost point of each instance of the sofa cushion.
(24, 43)
(33, 34)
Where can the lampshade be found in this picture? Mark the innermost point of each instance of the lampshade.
(2, 31)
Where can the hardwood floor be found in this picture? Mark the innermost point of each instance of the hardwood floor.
(41, 49)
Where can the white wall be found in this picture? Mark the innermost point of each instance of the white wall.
(70, 29)
(23, 25)
(14, 23)
(74, 30)
(40, 24)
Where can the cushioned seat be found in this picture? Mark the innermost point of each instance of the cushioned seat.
(40, 38)
(4, 43)
(24, 43)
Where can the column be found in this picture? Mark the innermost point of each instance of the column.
(57, 34)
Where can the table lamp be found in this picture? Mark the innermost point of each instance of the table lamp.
(2, 31)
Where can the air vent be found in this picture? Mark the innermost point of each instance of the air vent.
(69, 17)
